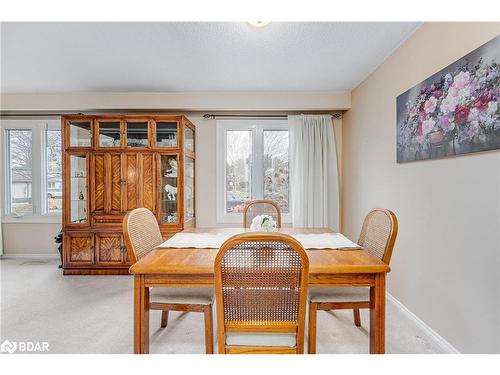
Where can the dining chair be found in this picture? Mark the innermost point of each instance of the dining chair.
(142, 235)
(261, 207)
(377, 237)
(261, 294)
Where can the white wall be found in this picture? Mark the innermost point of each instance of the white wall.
(445, 266)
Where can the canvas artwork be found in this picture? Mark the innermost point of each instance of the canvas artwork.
(453, 112)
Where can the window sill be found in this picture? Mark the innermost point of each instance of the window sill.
(32, 219)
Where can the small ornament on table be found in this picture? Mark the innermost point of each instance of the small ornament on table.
(263, 223)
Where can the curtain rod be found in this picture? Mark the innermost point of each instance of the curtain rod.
(283, 116)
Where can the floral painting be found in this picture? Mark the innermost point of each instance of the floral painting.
(453, 112)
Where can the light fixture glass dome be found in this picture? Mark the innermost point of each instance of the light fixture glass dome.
(259, 23)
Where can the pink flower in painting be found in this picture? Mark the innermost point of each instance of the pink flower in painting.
(448, 104)
(421, 116)
(430, 105)
(453, 92)
(461, 114)
(482, 102)
(418, 131)
(461, 80)
(427, 126)
(437, 94)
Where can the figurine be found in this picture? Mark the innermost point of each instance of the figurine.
(171, 192)
(172, 168)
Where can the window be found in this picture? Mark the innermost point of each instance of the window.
(20, 170)
(32, 161)
(252, 163)
(53, 171)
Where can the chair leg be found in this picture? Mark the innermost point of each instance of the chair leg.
(357, 317)
(209, 330)
(311, 347)
(164, 318)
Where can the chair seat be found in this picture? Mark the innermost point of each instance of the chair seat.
(193, 296)
(339, 294)
(261, 339)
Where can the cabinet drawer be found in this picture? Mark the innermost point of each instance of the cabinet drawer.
(107, 220)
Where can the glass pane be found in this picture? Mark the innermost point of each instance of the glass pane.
(53, 163)
(189, 189)
(109, 134)
(238, 169)
(276, 146)
(166, 134)
(80, 134)
(137, 134)
(168, 196)
(20, 168)
(78, 188)
(189, 138)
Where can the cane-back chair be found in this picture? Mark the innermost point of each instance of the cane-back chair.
(142, 235)
(261, 294)
(377, 237)
(261, 207)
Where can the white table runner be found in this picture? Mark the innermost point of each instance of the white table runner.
(215, 240)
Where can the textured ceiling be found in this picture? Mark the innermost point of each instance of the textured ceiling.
(206, 56)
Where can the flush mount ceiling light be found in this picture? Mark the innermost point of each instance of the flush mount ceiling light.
(259, 23)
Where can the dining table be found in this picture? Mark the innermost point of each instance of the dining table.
(194, 267)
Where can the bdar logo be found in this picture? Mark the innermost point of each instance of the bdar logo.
(9, 347)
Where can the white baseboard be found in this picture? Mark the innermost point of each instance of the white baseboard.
(440, 341)
(30, 256)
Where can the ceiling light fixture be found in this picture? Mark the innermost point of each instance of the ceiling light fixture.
(259, 23)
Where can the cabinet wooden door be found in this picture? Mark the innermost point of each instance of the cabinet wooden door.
(108, 184)
(140, 177)
(110, 249)
(78, 249)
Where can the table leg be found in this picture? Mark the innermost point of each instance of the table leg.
(141, 316)
(377, 315)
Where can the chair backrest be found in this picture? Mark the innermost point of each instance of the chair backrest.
(378, 233)
(261, 286)
(142, 233)
(261, 207)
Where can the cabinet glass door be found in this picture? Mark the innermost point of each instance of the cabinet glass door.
(109, 134)
(137, 134)
(189, 141)
(168, 194)
(78, 189)
(166, 134)
(189, 189)
(80, 134)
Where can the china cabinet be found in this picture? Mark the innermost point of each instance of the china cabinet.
(113, 164)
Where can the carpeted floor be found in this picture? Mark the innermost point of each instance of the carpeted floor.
(94, 314)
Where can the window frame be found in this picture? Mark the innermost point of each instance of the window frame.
(38, 128)
(257, 128)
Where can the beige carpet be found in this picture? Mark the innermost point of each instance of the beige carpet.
(94, 314)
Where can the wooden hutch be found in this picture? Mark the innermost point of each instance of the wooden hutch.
(113, 164)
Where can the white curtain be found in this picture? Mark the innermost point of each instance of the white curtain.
(314, 172)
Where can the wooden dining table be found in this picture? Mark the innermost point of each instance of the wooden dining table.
(194, 267)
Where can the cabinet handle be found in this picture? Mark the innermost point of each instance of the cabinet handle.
(123, 249)
(123, 182)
